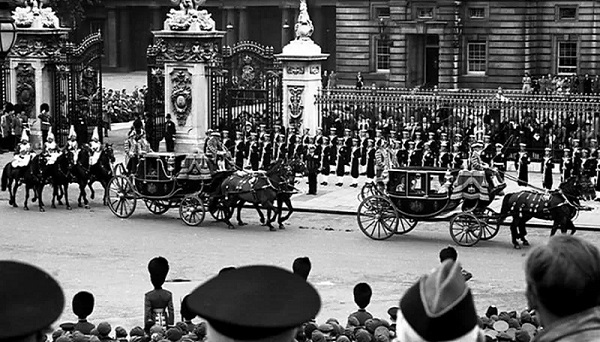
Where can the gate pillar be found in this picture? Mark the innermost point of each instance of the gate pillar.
(301, 60)
(184, 49)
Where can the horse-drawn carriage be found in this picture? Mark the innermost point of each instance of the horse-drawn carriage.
(185, 181)
(164, 181)
(435, 194)
(426, 194)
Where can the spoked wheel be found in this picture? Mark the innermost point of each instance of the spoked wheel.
(465, 229)
(157, 207)
(192, 211)
(489, 222)
(405, 225)
(119, 169)
(218, 210)
(377, 217)
(366, 191)
(121, 197)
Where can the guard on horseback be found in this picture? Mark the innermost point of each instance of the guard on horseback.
(219, 158)
(95, 148)
(72, 145)
(24, 155)
(494, 182)
(51, 151)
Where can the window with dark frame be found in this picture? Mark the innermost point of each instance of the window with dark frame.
(382, 52)
(567, 58)
(476, 57)
(476, 12)
(382, 12)
(567, 12)
(425, 12)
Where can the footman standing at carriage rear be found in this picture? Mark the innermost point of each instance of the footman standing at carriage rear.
(522, 165)
(547, 167)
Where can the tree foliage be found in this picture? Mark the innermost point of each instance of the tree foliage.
(71, 12)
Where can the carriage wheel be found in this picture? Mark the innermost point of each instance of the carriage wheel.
(192, 211)
(465, 229)
(157, 207)
(219, 212)
(366, 191)
(119, 169)
(405, 225)
(489, 222)
(121, 197)
(377, 218)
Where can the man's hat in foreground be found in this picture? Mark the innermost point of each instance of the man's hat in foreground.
(33, 300)
(439, 307)
(271, 302)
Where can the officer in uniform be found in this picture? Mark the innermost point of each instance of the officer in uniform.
(499, 161)
(170, 131)
(83, 306)
(370, 160)
(405, 139)
(291, 144)
(325, 160)
(428, 158)
(32, 301)
(254, 152)
(279, 303)
(239, 150)
(418, 141)
(277, 133)
(355, 158)
(267, 152)
(590, 164)
(522, 165)
(547, 167)
(280, 148)
(445, 158)
(488, 150)
(312, 166)
(158, 303)
(227, 142)
(566, 165)
(414, 158)
(319, 137)
(340, 164)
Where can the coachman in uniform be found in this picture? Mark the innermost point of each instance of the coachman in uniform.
(547, 167)
(158, 303)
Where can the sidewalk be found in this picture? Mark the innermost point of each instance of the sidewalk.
(345, 199)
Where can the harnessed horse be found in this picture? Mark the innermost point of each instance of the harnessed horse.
(258, 189)
(80, 174)
(34, 179)
(102, 171)
(61, 175)
(12, 174)
(559, 206)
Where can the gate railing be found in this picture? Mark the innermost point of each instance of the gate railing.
(155, 99)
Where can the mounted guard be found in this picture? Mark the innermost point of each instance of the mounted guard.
(72, 145)
(24, 155)
(95, 147)
(51, 151)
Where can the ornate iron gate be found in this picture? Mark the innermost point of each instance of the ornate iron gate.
(77, 88)
(245, 87)
(155, 98)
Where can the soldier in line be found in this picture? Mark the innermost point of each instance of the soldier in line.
(522, 165)
(355, 158)
(325, 160)
(312, 166)
(566, 165)
(158, 303)
(547, 167)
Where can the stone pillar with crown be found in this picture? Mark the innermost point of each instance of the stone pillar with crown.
(301, 60)
(40, 39)
(184, 49)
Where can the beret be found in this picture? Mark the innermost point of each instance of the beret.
(267, 294)
(32, 299)
(104, 328)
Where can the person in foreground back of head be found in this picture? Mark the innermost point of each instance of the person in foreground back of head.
(439, 307)
(362, 298)
(451, 253)
(563, 286)
(31, 301)
(302, 267)
(269, 307)
(158, 303)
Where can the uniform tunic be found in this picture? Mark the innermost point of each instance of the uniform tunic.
(355, 162)
(547, 167)
(254, 155)
(566, 168)
(522, 165)
(325, 158)
(158, 307)
(240, 153)
(340, 168)
(370, 162)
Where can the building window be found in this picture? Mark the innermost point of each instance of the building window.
(567, 57)
(476, 57)
(425, 12)
(382, 12)
(567, 12)
(476, 12)
(382, 52)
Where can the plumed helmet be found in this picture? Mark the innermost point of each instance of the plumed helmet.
(158, 268)
(83, 304)
(362, 295)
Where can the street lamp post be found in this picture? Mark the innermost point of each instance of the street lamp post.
(8, 35)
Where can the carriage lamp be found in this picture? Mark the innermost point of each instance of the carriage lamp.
(171, 163)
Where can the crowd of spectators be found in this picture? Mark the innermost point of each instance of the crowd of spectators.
(561, 85)
(563, 304)
(120, 106)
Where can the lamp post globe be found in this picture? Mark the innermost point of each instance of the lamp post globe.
(8, 30)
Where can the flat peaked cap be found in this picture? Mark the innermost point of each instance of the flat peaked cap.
(271, 301)
(32, 299)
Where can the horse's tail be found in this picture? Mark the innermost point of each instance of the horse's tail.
(504, 211)
(5, 176)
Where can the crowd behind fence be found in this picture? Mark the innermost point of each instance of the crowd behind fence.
(557, 119)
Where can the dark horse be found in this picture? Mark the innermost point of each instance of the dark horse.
(60, 175)
(13, 174)
(559, 206)
(34, 179)
(102, 171)
(80, 174)
(258, 189)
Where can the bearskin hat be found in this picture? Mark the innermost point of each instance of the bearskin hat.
(158, 268)
(185, 311)
(137, 124)
(301, 267)
(362, 295)
(83, 304)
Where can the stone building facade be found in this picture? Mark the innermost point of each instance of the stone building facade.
(464, 44)
(127, 24)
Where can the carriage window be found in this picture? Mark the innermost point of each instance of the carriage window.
(416, 184)
(435, 186)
